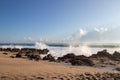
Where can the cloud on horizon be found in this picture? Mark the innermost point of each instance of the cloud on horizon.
(29, 39)
(98, 35)
(95, 35)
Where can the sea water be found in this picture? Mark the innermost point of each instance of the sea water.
(58, 50)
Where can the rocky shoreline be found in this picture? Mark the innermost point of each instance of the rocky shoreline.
(102, 59)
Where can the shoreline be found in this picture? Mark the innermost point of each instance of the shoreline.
(23, 69)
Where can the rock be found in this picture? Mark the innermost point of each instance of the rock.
(116, 56)
(37, 57)
(15, 50)
(86, 62)
(103, 53)
(49, 57)
(12, 56)
(66, 57)
(32, 53)
(18, 55)
(33, 50)
(1, 49)
(118, 68)
(33, 56)
(8, 49)
(44, 51)
(5, 53)
(76, 60)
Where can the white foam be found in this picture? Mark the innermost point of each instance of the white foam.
(40, 45)
(60, 51)
(80, 50)
(11, 46)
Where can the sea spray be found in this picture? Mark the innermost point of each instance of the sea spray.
(12, 46)
(40, 45)
(80, 50)
(59, 51)
(54, 51)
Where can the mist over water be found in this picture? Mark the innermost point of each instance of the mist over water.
(58, 51)
(39, 45)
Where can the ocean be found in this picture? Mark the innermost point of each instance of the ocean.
(58, 50)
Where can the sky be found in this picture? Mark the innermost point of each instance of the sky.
(32, 20)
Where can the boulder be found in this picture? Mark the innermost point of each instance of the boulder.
(1, 49)
(99, 54)
(44, 51)
(76, 60)
(33, 50)
(5, 53)
(81, 60)
(33, 56)
(118, 68)
(36, 57)
(18, 55)
(49, 57)
(12, 56)
(24, 50)
(68, 57)
(116, 56)
(8, 49)
(15, 50)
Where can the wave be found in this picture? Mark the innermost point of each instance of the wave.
(60, 50)
(42, 45)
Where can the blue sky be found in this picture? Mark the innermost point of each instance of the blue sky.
(54, 19)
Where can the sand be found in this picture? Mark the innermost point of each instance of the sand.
(23, 69)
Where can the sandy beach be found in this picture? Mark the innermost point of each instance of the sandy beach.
(23, 69)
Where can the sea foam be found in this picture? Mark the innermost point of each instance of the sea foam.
(58, 51)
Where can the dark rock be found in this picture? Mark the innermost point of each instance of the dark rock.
(103, 53)
(1, 49)
(33, 56)
(40, 78)
(44, 51)
(68, 57)
(24, 50)
(32, 53)
(49, 57)
(12, 56)
(33, 50)
(82, 61)
(5, 53)
(8, 49)
(76, 60)
(37, 57)
(118, 68)
(116, 56)
(18, 55)
(15, 50)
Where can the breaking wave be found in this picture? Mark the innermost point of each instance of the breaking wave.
(60, 50)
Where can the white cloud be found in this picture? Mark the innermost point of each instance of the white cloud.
(82, 32)
(28, 39)
(101, 30)
(76, 36)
